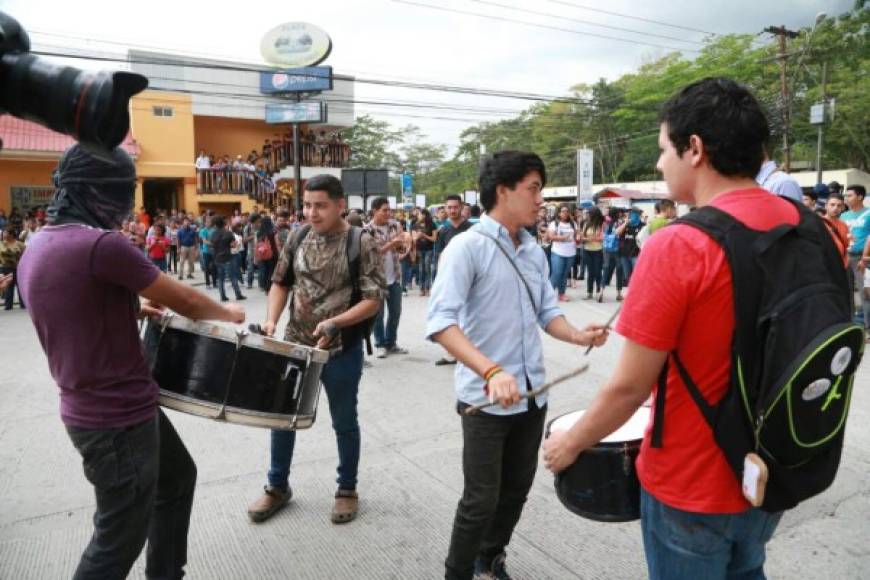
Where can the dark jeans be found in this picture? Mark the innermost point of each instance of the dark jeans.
(160, 263)
(10, 291)
(681, 544)
(408, 270)
(424, 269)
(173, 258)
(144, 480)
(499, 458)
(340, 378)
(577, 269)
(208, 268)
(385, 334)
(231, 268)
(594, 265)
(264, 273)
(613, 263)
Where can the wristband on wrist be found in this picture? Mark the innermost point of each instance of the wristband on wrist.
(487, 376)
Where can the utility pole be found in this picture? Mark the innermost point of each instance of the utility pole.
(783, 33)
(822, 124)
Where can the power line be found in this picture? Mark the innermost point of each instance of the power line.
(544, 26)
(585, 22)
(632, 17)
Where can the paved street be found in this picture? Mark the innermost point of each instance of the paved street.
(410, 482)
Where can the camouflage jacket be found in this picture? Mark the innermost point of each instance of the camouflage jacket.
(322, 287)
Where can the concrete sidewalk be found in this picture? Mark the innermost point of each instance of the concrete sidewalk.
(410, 482)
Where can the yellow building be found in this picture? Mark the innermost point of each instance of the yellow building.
(169, 125)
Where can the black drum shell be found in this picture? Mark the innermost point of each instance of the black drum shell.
(602, 484)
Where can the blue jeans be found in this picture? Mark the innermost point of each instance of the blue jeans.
(340, 378)
(385, 335)
(160, 263)
(627, 263)
(424, 269)
(249, 270)
(560, 266)
(232, 269)
(681, 544)
(207, 263)
(612, 262)
(408, 270)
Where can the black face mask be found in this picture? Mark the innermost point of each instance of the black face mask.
(93, 191)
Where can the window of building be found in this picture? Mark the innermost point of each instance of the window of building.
(162, 111)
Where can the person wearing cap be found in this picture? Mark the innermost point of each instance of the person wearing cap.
(82, 279)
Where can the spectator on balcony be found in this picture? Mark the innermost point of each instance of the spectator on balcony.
(323, 147)
(253, 157)
(267, 153)
(203, 161)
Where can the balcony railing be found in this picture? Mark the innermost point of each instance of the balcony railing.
(312, 155)
(242, 181)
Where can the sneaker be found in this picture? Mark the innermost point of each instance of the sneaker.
(397, 350)
(383, 352)
(601, 296)
(367, 364)
(268, 504)
(224, 299)
(190, 276)
(619, 297)
(345, 507)
(495, 570)
(444, 361)
(241, 297)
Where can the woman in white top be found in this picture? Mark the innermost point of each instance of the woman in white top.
(563, 235)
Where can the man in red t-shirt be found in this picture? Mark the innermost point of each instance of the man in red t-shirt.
(696, 522)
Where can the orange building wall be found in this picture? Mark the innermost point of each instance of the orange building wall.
(17, 172)
(225, 136)
(166, 143)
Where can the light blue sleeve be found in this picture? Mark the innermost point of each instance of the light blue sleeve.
(549, 304)
(452, 287)
(787, 187)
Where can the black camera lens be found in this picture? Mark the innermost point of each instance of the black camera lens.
(90, 107)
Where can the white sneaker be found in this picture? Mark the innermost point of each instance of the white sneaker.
(382, 353)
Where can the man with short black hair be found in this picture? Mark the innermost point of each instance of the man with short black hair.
(388, 234)
(695, 520)
(452, 227)
(222, 243)
(328, 310)
(486, 309)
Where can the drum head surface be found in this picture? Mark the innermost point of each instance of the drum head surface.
(632, 430)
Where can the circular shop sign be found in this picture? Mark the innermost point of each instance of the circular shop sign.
(295, 44)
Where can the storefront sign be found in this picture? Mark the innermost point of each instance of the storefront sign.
(295, 44)
(310, 112)
(25, 197)
(296, 80)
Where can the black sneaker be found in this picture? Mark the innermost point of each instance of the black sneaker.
(494, 570)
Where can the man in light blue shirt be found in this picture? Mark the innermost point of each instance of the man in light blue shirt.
(857, 219)
(779, 182)
(490, 297)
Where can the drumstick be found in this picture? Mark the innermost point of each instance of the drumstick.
(606, 326)
(473, 410)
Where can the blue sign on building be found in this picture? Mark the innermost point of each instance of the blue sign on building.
(309, 112)
(407, 183)
(296, 80)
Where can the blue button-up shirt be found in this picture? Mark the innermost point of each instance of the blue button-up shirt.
(778, 182)
(478, 290)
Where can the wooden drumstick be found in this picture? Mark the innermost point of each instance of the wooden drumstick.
(606, 327)
(474, 409)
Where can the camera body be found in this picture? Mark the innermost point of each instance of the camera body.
(90, 107)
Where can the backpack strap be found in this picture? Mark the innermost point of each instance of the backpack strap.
(354, 267)
(295, 241)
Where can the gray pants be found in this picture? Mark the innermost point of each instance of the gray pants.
(186, 255)
(863, 305)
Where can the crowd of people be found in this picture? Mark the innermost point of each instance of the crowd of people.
(494, 277)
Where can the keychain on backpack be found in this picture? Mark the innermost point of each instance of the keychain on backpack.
(755, 475)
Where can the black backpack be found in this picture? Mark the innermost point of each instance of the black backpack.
(362, 330)
(794, 354)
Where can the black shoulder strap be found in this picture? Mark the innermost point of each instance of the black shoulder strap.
(715, 222)
(354, 267)
(294, 242)
(512, 263)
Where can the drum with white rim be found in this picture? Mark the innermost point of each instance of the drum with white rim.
(602, 483)
(221, 373)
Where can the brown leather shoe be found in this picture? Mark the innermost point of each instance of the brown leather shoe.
(345, 507)
(268, 504)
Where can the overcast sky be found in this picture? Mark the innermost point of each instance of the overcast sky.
(390, 39)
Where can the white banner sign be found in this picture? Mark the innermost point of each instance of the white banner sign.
(584, 173)
(471, 197)
(421, 200)
(354, 202)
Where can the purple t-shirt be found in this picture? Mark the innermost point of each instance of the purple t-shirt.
(80, 286)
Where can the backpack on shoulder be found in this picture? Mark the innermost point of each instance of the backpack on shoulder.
(362, 330)
(794, 355)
